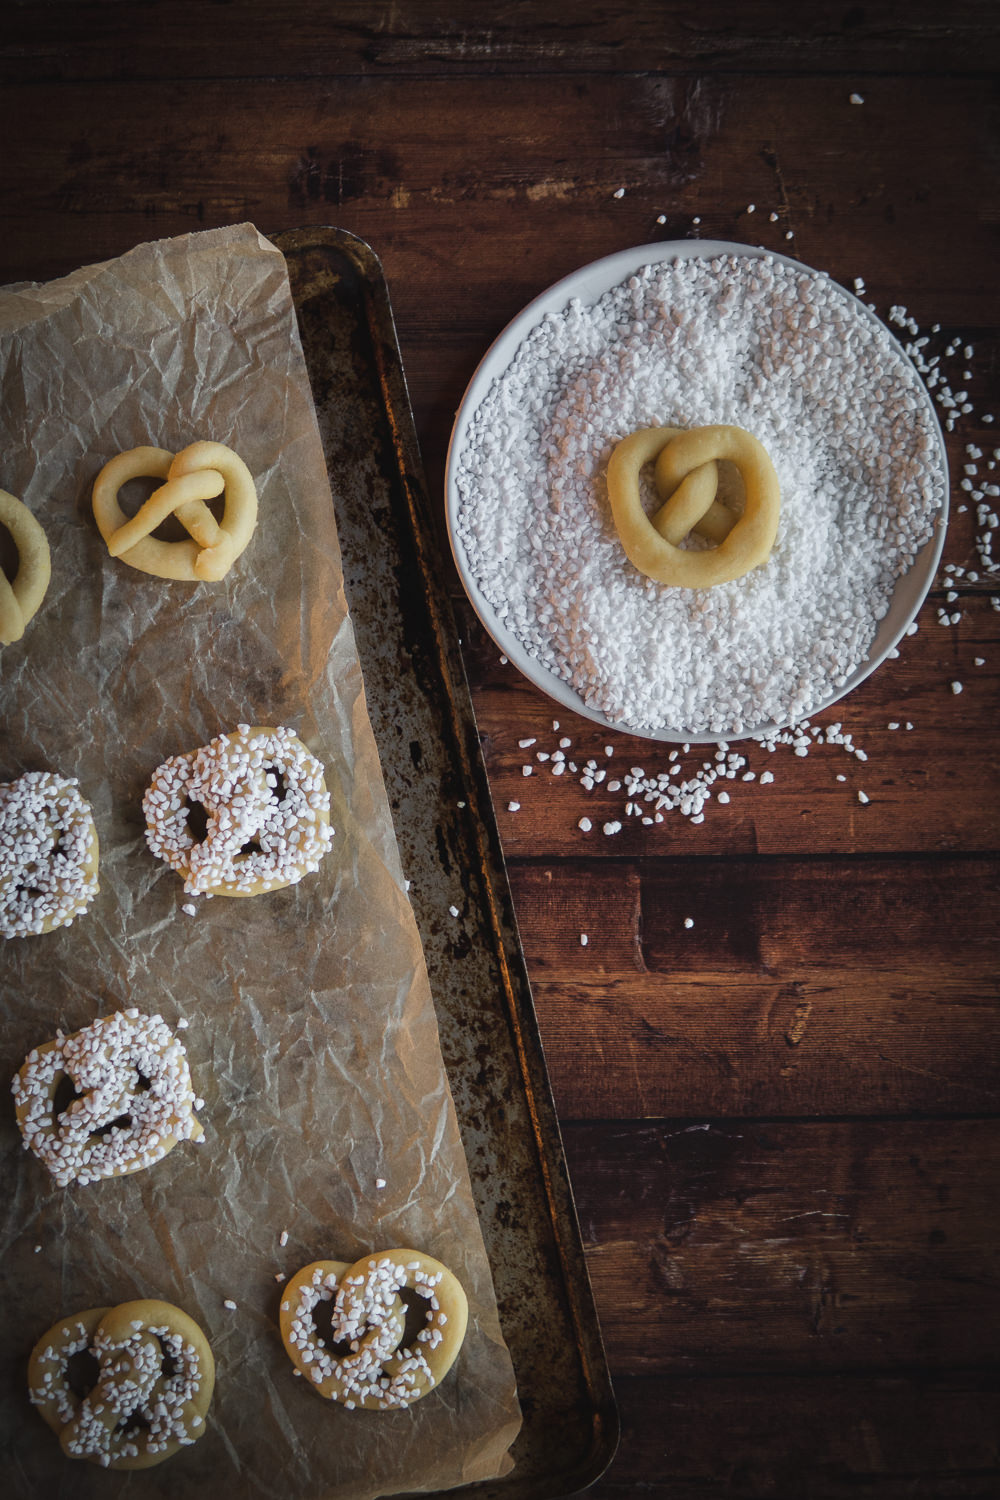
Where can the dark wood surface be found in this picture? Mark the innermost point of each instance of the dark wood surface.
(781, 1123)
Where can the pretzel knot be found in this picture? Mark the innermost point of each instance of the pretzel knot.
(364, 1362)
(140, 1396)
(198, 473)
(687, 480)
(19, 600)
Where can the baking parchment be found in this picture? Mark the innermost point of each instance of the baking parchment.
(312, 1035)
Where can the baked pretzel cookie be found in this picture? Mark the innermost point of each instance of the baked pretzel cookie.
(364, 1362)
(48, 854)
(108, 1100)
(245, 814)
(151, 1382)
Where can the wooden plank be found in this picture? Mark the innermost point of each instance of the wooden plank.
(803, 987)
(305, 40)
(791, 1247)
(471, 235)
(930, 788)
(836, 1437)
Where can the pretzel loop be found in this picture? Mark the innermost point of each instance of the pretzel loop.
(200, 472)
(19, 600)
(366, 1363)
(687, 480)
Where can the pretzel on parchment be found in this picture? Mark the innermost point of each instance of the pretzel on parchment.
(366, 1364)
(19, 600)
(197, 474)
(149, 1395)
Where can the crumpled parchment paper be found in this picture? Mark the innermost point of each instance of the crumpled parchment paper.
(312, 1035)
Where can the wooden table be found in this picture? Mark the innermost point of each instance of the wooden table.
(781, 1122)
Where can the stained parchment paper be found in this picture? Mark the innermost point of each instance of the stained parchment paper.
(312, 1035)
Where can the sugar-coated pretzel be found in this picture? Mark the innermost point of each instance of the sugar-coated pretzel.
(48, 854)
(198, 473)
(131, 1098)
(366, 1363)
(150, 1393)
(266, 809)
(19, 600)
(686, 478)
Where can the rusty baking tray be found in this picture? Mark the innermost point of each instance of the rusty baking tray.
(422, 717)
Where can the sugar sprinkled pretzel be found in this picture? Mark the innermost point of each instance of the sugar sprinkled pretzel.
(266, 807)
(19, 600)
(48, 854)
(131, 1098)
(196, 474)
(367, 1364)
(149, 1395)
(686, 478)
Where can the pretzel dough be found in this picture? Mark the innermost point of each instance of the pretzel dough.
(48, 854)
(19, 600)
(686, 479)
(152, 1389)
(133, 1098)
(196, 474)
(367, 1364)
(266, 806)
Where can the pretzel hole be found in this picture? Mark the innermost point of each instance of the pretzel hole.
(197, 820)
(322, 1316)
(135, 492)
(83, 1370)
(279, 791)
(416, 1315)
(132, 1426)
(121, 1122)
(252, 846)
(66, 1092)
(9, 559)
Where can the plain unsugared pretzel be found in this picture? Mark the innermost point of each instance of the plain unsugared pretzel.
(131, 1098)
(48, 854)
(265, 806)
(196, 474)
(19, 600)
(365, 1362)
(687, 480)
(153, 1387)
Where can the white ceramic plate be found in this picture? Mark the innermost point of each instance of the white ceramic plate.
(588, 284)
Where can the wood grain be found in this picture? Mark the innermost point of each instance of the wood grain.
(754, 1245)
(308, 39)
(830, 987)
(855, 1437)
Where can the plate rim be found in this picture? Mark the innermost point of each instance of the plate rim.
(588, 283)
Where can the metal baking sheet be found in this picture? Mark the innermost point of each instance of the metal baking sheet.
(422, 717)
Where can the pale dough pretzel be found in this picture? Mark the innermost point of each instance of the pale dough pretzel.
(48, 854)
(152, 1389)
(266, 807)
(20, 599)
(367, 1365)
(196, 474)
(134, 1098)
(686, 478)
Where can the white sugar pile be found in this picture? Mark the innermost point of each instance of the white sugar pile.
(781, 351)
